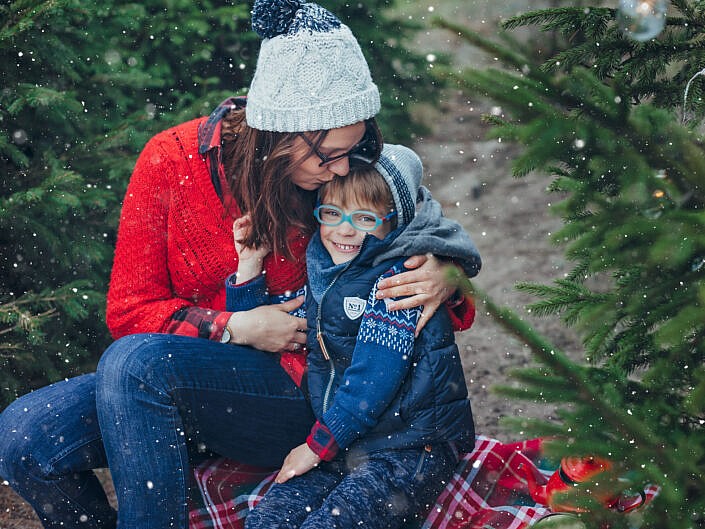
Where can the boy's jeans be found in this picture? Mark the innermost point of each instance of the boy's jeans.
(379, 490)
(155, 400)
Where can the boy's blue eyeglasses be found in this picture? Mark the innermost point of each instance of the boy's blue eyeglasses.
(360, 219)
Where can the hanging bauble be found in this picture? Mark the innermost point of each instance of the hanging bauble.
(642, 20)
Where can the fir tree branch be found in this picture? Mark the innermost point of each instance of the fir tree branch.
(685, 160)
(22, 321)
(566, 19)
(551, 356)
(503, 53)
(689, 12)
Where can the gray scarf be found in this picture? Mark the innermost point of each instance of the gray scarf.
(430, 232)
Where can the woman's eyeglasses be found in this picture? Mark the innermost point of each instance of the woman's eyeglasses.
(367, 149)
(360, 219)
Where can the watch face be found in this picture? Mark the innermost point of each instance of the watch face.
(226, 336)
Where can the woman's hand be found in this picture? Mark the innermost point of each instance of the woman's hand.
(426, 284)
(250, 260)
(299, 461)
(269, 327)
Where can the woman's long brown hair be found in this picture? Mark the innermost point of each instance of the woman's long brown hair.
(258, 169)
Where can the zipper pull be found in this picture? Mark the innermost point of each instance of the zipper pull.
(319, 337)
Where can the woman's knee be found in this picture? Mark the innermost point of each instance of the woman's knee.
(138, 364)
(122, 353)
(136, 355)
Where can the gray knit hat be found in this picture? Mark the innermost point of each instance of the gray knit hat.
(311, 74)
(402, 169)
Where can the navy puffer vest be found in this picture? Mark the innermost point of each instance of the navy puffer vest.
(432, 404)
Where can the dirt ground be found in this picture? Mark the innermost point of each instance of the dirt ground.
(510, 224)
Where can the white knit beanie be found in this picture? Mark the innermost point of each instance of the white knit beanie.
(311, 74)
(402, 169)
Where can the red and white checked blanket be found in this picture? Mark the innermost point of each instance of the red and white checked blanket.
(488, 490)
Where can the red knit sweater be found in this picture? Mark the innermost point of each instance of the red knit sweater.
(175, 245)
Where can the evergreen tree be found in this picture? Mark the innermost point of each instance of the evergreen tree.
(607, 117)
(84, 85)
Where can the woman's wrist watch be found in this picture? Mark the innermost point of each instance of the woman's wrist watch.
(227, 335)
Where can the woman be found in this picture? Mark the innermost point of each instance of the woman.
(185, 375)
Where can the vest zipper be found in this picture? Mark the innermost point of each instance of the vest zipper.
(322, 343)
(324, 351)
(319, 332)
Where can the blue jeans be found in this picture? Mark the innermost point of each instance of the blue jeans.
(155, 402)
(379, 490)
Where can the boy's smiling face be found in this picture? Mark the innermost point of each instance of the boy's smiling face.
(343, 242)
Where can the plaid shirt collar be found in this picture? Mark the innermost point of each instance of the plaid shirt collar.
(209, 130)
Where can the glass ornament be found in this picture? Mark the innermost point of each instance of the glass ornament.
(642, 20)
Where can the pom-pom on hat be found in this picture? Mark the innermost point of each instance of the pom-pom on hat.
(311, 74)
(402, 169)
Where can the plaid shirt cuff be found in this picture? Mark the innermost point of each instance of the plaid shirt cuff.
(322, 442)
(198, 322)
(219, 324)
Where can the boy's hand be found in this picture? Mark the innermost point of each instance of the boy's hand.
(299, 461)
(249, 259)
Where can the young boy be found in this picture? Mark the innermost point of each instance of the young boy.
(392, 409)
